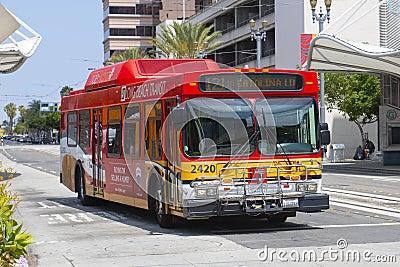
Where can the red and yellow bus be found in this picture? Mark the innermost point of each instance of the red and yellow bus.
(187, 138)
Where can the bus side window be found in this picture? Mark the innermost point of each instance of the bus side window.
(71, 129)
(84, 128)
(131, 131)
(153, 130)
(114, 136)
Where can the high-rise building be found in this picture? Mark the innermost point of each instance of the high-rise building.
(132, 23)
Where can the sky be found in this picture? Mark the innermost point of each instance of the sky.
(72, 33)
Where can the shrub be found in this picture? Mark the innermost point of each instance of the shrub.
(13, 240)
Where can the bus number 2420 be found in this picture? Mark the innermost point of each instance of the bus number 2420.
(203, 168)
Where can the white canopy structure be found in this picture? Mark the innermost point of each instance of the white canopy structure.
(331, 51)
(17, 41)
(331, 54)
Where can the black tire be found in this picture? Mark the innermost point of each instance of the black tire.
(158, 206)
(83, 198)
(277, 219)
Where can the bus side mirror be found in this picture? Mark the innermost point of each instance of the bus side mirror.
(179, 117)
(325, 134)
(325, 137)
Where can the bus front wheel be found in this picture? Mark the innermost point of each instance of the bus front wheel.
(84, 199)
(164, 220)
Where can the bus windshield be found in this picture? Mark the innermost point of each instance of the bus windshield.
(295, 120)
(218, 127)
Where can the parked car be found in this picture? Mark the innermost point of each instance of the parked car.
(25, 139)
(40, 140)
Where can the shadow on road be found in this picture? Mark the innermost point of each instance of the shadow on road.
(145, 220)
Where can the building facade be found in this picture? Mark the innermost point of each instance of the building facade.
(132, 23)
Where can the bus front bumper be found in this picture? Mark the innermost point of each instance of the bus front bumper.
(206, 208)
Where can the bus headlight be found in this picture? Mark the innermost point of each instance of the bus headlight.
(301, 187)
(312, 187)
(206, 192)
(307, 187)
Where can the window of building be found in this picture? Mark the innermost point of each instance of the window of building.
(84, 128)
(145, 31)
(153, 130)
(132, 131)
(71, 129)
(122, 32)
(147, 9)
(114, 136)
(128, 10)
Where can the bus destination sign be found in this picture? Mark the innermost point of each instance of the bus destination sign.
(239, 81)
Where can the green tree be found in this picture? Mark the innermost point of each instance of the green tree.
(177, 40)
(22, 113)
(131, 53)
(21, 128)
(37, 125)
(11, 110)
(33, 110)
(356, 96)
(52, 120)
(66, 90)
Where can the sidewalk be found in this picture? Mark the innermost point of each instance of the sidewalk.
(361, 166)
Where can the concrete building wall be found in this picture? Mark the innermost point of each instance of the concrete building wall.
(289, 17)
(177, 9)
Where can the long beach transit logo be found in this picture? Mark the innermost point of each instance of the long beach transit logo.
(394, 6)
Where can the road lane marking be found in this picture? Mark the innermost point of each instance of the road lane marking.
(358, 225)
(367, 208)
(355, 193)
(371, 177)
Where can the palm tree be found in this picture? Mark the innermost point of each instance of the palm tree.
(22, 113)
(65, 91)
(11, 111)
(131, 53)
(33, 110)
(178, 40)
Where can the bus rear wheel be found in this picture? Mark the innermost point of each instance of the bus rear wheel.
(83, 198)
(164, 220)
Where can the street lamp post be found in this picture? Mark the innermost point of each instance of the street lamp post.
(258, 35)
(321, 18)
(200, 51)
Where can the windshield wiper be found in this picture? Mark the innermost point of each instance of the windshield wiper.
(241, 148)
(277, 141)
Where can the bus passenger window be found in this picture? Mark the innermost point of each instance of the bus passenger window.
(153, 130)
(131, 131)
(114, 132)
(72, 129)
(84, 128)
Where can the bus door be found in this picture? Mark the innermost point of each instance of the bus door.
(174, 168)
(98, 182)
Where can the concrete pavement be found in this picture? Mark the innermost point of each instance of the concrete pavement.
(374, 166)
(117, 244)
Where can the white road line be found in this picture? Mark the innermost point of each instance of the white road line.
(355, 193)
(356, 225)
(382, 177)
(367, 208)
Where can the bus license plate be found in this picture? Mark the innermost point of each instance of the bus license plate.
(290, 203)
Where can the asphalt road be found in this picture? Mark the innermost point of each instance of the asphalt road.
(68, 234)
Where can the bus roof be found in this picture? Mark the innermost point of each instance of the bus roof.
(139, 70)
